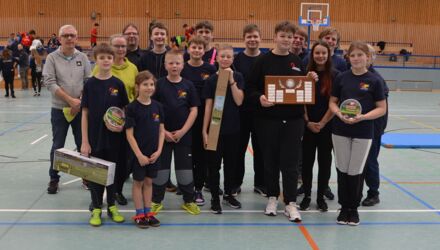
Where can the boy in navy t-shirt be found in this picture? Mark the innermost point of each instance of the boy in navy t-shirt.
(154, 59)
(145, 134)
(99, 138)
(227, 147)
(372, 176)
(179, 99)
(197, 71)
(243, 63)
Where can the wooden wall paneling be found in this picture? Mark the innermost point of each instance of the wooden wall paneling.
(372, 20)
(230, 10)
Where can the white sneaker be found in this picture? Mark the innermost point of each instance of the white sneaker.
(271, 207)
(292, 212)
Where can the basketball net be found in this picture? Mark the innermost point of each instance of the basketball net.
(315, 24)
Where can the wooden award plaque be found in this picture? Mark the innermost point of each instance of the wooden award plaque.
(290, 89)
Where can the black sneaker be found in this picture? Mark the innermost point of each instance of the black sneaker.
(343, 216)
(300, 190)
(231, 201)
(152, 221)
(371, 201)
(216, 208)
(52, 187)
(328, 193)
(198, 198)
(322, 205)
(178, 191)
(353, 217)
(141, 221)
(260, 190)
(305, 204)
(13, 96)
(120, 198)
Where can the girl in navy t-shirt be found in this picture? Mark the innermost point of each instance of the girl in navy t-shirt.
(352, 136)
(317, 134)
(145, 134)
(7, 65)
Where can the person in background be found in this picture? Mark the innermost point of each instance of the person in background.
(94, 35)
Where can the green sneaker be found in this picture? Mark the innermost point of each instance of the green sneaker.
(156, 207)
(192, 208)
(95, 219)
(113, 213)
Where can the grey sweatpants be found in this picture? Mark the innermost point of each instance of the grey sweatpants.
(350, 153)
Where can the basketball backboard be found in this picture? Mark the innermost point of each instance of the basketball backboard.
(314, 14)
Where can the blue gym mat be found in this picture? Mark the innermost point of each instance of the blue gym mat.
(395, 140)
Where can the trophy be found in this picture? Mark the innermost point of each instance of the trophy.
(350, 108)
(115, 116)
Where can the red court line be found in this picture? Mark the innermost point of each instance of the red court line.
(250, 151)
(308, 237)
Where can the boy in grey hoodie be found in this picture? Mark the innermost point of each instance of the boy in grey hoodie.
(64, 74)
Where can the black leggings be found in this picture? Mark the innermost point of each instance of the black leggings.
(322, 142)
(227, 149)
(36, 81)
(247, 129)
(9, 82)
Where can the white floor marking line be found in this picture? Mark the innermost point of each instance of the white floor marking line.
(39, 139)
(421, 115)
(72, 181)
(224, 211)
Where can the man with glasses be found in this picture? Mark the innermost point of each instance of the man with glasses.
(64, 73)
(134, 53)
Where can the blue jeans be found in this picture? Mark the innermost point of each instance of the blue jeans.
(60, 127)
(372, 178)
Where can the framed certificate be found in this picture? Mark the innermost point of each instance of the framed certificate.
(290, 89)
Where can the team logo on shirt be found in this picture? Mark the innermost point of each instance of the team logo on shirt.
(293, 67)
(113, 91)
(204, 76)
(156, 117)
(364, 86)
(181, 93)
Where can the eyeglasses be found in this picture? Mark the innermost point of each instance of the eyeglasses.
(131, 34)
(68, 35)
(120, 46)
